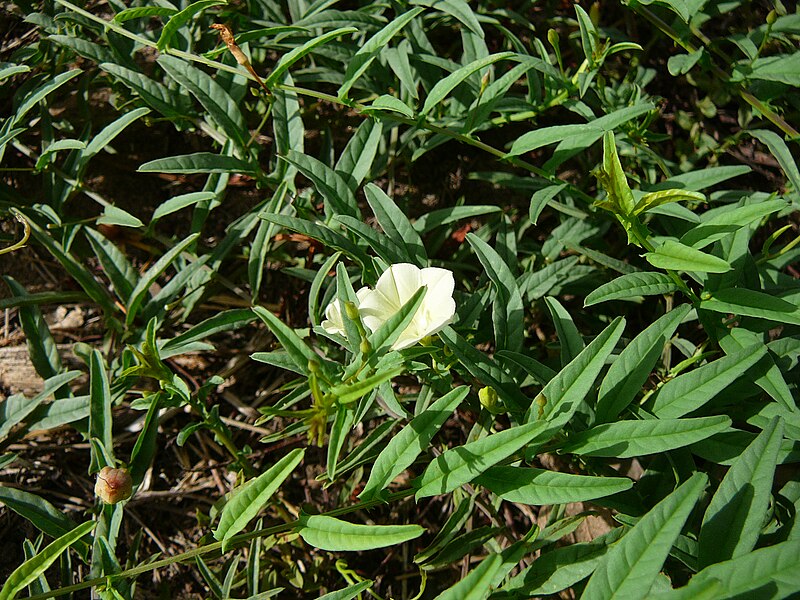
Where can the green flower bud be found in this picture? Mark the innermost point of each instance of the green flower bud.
(351, 310)
(488, 397)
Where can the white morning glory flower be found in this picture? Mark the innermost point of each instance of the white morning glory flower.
(334, 322)
(396, 287)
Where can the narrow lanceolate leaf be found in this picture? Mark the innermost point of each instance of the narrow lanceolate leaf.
(632, 565)
(772, 571)
(339, 199)
(357, 157)
(540, 199)
(297, 349)
(199, 162)
(244, 506)
(548, 135)
(99, 409)
(115, 264)
(16, 407)
(558, 569)
(750, 303)
(348, 593)
(678, 257)
(733, 520)
(627, 439)
(781, 152)
(507, 310)
(40, 342)
(396, 225)
(724, 223)
(225, 321)
(149, 277)
(370, 50)
(541, 487)
(43, 515)
(180, 19)
(462, 464)
(569, 388)
(692, 390)
(442, 88)
(413, 439)
(631, 368)
(478, 582)
(168, 102)
(31, 569)
(568, 335)
(288, 59)
(328, 533)
(630, 286)
(108, 133)
(219, 104)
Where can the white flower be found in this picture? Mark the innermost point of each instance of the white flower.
(334, 323)
(396, 287)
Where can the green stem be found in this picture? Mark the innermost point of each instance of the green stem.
(235, 542)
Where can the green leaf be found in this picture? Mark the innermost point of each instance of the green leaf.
(42, 347)
(478, 582)
(690, 391)
(507, 310)
(462, 464)
(217, 102)
(43, 515)
(33, 97)
(348, 593)
(16, 407)
(780, 150)
(458, 9)
(661, 197)
(632, 565)
(199, 162)
(751, 303)
(100, 419)
(287, 125)
(724, 223)
(107, 135)
(614, 180)
(288, 59)
(339, 199)
(297, 349)
(114, 263)
(372, 48)
(180, 19)
(9, 70)
(630, 370)
(414, 438)
(357, 157)
(540, 199)
(396, 225)
(225, 321)
(561, 568)
(31, 569)
(329, 533)
(116, 216)
(149, 277)
(630, 286)
(627, 439)
(140, 12)
(245, 505)
(732, 523)
(544, 136)
(391, 329)
(443, 87)
(347, 393)
(66, 144)
(568, 335)
(769, 572)
(166, 101)
(322, 234)
(569, 388)
(540, 487)
(589, 36)
(177, 203)
(76, 270)
(678, 257)
(387, 103)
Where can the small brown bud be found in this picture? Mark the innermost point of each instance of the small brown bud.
(113, 485)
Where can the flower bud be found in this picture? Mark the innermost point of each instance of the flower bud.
(113, 485)
(351, 310)
(488, 397)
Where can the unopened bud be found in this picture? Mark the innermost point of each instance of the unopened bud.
(365, 346)
(488, 397)
(313, 367)
(351, 310)
(113, 485)
(772, 17)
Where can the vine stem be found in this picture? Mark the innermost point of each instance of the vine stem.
(236, 541)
